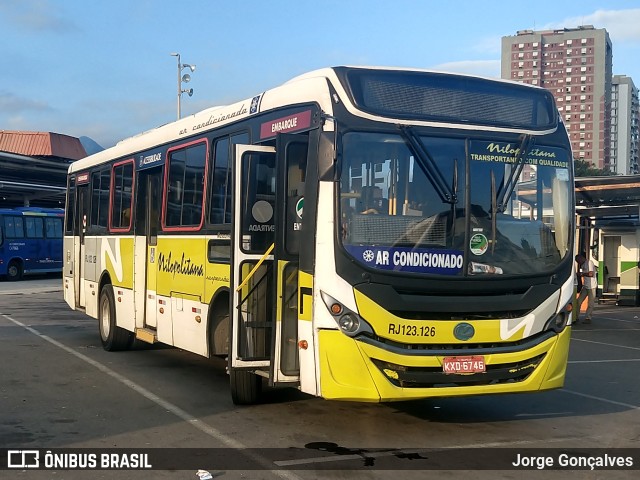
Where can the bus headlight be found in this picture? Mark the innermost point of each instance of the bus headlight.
(350, 323)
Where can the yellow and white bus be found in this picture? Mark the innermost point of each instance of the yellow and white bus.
(369, 234)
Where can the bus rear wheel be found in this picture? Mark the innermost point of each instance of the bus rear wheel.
(246, 387)
(113, 338)
(14, 270)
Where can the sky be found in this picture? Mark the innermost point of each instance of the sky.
(103, 69)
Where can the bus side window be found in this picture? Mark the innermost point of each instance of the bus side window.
(185, 184)
(100, 186)
(14, 227)
(34, 227)
(219, 185)
(70, 205)
(53, 227)
(220, 178)
(121, 196)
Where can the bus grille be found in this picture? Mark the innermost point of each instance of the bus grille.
(458, 348)
(434, 377)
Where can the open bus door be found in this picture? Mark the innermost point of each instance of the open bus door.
(268, 198)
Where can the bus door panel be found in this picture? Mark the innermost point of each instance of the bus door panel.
(252, 262)
(149, 198)
(290, 190)
(81, 221)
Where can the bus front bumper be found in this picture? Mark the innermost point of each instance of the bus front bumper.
(358, 371)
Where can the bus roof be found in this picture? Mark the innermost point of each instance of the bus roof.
(309, 90)
(308, 87)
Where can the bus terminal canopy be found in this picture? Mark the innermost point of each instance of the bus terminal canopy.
(608, 197)
(33, 167)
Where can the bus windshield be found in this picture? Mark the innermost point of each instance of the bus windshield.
(454, 206)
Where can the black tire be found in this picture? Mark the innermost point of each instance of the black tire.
(113, 338)
(246, 387)
(219, 334)
(14, 270)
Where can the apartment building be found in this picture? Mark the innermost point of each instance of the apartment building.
(625, 115)
(575, 64)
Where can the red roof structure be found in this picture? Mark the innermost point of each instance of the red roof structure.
(41, 144)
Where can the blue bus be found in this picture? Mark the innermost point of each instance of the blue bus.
(30, 241)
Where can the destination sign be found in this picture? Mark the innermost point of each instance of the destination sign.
(291, 123)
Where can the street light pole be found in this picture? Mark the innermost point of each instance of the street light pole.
(183, 78)
(179, 86)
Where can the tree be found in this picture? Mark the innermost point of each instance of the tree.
(585, 169)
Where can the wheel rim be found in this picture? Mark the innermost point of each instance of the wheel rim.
(105, 318)
(13, 270)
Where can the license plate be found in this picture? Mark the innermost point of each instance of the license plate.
(471, 364)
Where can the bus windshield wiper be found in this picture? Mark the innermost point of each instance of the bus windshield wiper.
(505, 191)
(428, 165)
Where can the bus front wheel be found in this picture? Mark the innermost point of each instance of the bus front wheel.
(14, 270)
(113, 337)
(246, 387)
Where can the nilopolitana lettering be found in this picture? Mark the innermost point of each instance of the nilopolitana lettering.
(184, 266)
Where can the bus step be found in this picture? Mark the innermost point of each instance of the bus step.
(146, 335)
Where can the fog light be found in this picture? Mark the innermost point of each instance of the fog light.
(390, 373)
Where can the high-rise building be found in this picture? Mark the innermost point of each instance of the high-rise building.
(625, 115)
(575, 64)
